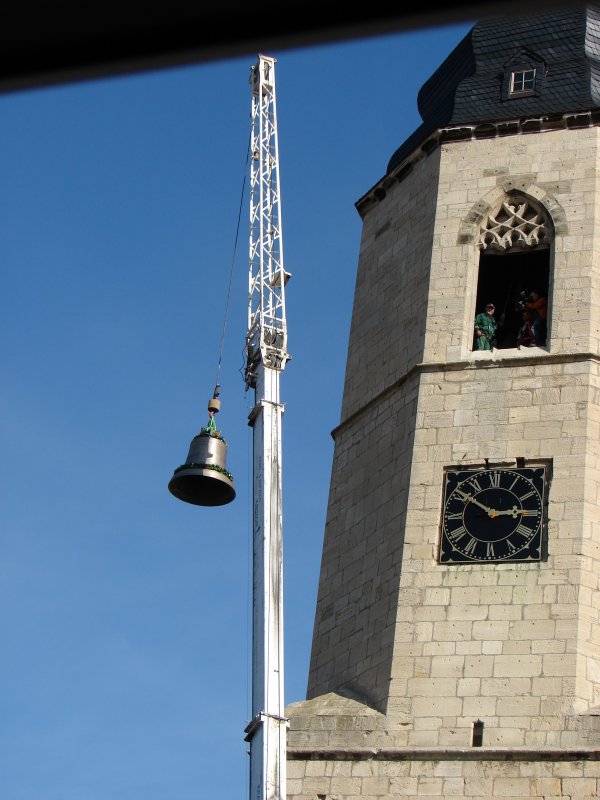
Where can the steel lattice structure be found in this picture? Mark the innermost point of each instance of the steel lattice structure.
(266, 352)
(267, 330)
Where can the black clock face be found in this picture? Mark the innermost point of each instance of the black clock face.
(493, 515)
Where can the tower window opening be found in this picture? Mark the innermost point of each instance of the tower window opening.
(515, 283)
(514, 277)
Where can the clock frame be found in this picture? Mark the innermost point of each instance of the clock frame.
(494, 515)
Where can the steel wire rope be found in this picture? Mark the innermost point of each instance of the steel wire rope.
(217, 386)
(228, 295)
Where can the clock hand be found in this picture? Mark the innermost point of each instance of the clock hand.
(512, 512)
(469, 499)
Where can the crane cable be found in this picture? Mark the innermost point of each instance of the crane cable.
(237, 234)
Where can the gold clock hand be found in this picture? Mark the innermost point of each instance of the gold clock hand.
(512, 512)
(470, 499)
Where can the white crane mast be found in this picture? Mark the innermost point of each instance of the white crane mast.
(266, 357)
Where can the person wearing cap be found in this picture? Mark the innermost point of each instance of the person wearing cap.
(485, 328)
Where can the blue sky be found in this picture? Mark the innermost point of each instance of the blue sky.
(124, 613)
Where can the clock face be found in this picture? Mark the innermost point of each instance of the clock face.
(493, 515)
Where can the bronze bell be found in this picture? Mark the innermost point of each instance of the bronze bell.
(204, 480)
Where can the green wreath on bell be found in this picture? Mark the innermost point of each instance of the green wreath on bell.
(215, 467)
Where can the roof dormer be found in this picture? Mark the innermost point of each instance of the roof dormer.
(524, 75)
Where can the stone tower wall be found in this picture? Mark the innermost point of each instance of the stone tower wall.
(511, 644)
(430, 648)
(387, 334)
(359, 582)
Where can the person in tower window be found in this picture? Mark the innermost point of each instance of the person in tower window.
(537, 305)
(485, 328)
(525, 337)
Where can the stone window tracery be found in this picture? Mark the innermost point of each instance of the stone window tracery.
(514, 225)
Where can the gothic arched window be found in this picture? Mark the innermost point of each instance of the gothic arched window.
(514, 271)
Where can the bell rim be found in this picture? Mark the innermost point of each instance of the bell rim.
(187, 470)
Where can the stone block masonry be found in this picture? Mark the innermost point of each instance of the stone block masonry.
(412, 656)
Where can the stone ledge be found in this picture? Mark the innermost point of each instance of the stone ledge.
(484, 360)
(444, 754)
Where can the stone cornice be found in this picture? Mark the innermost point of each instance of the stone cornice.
(492, 362)
(481, 130)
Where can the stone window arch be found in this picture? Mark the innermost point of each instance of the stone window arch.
(515, 243)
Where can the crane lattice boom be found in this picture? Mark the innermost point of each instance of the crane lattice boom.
(267, 329)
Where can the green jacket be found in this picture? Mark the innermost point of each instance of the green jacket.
(486, 324)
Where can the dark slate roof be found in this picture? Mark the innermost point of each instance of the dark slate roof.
(470, 87)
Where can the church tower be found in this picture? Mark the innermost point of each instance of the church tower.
(456, 648)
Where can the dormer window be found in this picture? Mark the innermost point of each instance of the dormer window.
(522, 82)
(524, 76)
